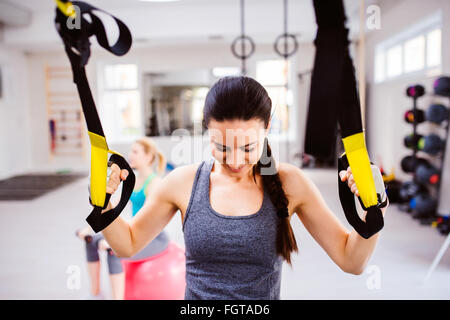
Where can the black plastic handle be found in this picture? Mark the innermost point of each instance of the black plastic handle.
(374, 217)
(98, 220)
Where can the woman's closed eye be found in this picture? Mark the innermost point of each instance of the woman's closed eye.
(248, 149)
(223, 149)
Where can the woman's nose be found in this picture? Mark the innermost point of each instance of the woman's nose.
(236, 159)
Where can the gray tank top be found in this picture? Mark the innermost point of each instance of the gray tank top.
(229, 257)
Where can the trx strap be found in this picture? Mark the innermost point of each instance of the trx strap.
(77, 47)
(334, 98)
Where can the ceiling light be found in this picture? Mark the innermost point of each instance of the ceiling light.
(159, 0)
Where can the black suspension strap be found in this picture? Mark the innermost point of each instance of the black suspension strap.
(334, 99)
(77, 46)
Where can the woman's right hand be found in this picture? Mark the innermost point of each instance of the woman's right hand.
(113, 182)
(115, 178)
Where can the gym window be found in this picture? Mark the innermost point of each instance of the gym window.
(272, 74)
(417, 49)
(120, 109)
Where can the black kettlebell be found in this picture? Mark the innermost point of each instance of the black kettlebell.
(411, 141)
(427, 174)
(423, 205)
(415, 91)
(431, 144)
(417, 116)
(441, 86)
(409, 190)
(409, 163)
(437, 113)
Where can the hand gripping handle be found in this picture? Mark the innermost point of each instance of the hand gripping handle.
(98, 220)
(374, 218)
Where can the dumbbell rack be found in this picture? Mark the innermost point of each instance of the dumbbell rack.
(441, 169)
(432, 217)
(415, 147)
(446, 243)
(442, 162)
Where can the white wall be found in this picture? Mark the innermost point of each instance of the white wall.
(387, 101)
(162, 59)
(45, 48)
(15, 131)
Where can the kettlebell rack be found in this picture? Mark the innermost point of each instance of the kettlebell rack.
(423, 193)
(439, 115)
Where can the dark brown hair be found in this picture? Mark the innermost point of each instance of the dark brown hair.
(243, 98)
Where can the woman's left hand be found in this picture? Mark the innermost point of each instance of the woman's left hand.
(348, 176)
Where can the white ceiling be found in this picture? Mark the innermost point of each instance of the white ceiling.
(43, 5)
(156, 23)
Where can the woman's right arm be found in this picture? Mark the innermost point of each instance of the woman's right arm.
(128, 238)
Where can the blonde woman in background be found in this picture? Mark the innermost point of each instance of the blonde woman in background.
(142, 158)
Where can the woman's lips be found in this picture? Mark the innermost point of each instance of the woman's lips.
(235, 170)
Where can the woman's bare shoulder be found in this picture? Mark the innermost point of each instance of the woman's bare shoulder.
(181, 178)
(178, 183)
(288, 171)
(183, 173)
(294, 180)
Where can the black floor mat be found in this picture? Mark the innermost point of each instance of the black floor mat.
(31, 186)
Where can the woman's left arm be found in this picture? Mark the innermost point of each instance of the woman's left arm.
(347, 249)
(358, 249)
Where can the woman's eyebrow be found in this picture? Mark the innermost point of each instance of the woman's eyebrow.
(247, 145)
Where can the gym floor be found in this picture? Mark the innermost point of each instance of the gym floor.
(40, 267)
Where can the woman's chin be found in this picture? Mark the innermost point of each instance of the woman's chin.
(236, 170)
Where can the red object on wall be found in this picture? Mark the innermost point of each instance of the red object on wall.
(52, 124)
(159, 277)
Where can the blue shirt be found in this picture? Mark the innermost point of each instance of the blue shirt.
(138, 196)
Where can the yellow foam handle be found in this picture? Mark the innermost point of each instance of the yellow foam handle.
(66, 8)
(358, 159)
(99, 167)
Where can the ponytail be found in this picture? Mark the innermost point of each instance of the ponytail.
(285, 241)
(150, 147)
(161, 162)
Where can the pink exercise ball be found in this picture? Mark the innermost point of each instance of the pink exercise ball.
(159, 277)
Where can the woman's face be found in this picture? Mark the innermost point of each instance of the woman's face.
(237, 144)
(138, 158)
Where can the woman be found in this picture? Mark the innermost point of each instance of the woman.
(236, 207)
(142, 157)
